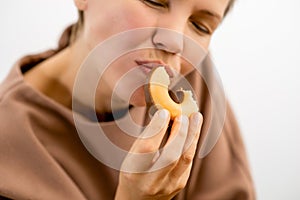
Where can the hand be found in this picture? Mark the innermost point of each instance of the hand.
(150, 173)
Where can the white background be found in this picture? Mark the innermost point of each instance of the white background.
(256, 52)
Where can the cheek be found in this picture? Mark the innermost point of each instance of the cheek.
(130, 16)
(186, 67)
(115, 18)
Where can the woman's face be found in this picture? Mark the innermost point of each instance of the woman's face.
(196, 19)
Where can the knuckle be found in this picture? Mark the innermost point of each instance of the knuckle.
(154, 191)
(151, 191)
(187, 159)
(181, 186)
(146, 148)
(168, 191)
(171, 190)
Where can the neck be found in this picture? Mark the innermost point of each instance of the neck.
(55, 77)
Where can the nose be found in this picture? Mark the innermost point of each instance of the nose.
(168, 40)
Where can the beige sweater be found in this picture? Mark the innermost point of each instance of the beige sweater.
(42, 157)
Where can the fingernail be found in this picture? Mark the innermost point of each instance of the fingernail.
(183, 119)
(196, 118)
(164, 114)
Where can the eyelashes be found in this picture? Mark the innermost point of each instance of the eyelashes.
(156, 3)
(164, 4)
(201, 28)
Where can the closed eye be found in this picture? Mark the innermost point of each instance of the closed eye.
(201, 28)
(155, 3)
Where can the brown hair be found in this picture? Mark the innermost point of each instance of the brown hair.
(229, 7)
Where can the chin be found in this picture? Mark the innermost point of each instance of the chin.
(138, 102)
(138, 98)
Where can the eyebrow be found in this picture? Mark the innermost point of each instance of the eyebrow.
(212, 14)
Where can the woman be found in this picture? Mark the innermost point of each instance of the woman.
(42, 156)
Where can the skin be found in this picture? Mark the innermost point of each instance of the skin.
(197, 19)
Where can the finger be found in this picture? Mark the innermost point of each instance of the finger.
(145, 148)
(190, 146)
(180, 124)
(174, 146)
(193, 136)
(152, 136)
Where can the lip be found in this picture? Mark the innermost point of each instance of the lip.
(146, 66)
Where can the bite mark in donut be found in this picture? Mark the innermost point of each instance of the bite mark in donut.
(157, 94)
